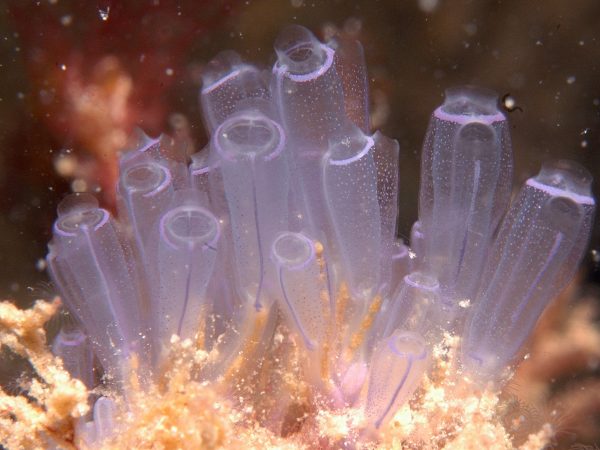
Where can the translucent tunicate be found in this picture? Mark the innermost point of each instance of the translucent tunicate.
(396, 368)
(538, 249)
(466, 177)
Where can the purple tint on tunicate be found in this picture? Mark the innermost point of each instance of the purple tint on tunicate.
(538, 249)
(396, 368)
(73, 347)
(297, 271)
(249, 148)
(230, 86)
(94, 275)
(466, 175)
(350, 186)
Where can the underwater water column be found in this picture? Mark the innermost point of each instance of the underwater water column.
(279, 235)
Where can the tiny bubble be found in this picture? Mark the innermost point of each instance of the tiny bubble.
(63, 67)
(571, 79)
(169, 72)
(509, 102)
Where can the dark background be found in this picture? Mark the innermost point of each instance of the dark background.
(545, 54)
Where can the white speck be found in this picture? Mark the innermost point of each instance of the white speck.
(63, 67)
(104, 13)
(297, 3)
(464, 303)
(584, 144)
(169, 72)
(40, 264)
(66, 20)
(539, 43)
(509, 102)
(581, 43)
(527, 356)
(571, 79)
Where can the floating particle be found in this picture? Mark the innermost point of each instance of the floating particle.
(79, 185)
(40, 265)
(66, 20)
(571, 79)
(509, 102)
(65, 165)
(104, 13)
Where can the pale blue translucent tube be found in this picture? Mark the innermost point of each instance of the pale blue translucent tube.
(229, 86)
(309, 98)
(465, 186)
(396, 369)
(350, 187)
(88, 263)
(416, 301)
(74, 348)
(300, 299)
(187, 252)
(308, 91)
(385, 155)
(539, 247)
(250, 149)
(145, 190)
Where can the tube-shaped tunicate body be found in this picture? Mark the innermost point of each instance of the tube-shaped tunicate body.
(309, 98)
(145, 191)
(187, 251)
(306, 81)
(417, 299)
(350, 186)
(466, 178)
(249, 147)
(89, 265)
(229, 86)
(298, 274)
(396, 368)
(385, 157)
(73, 346)
(538, 249)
